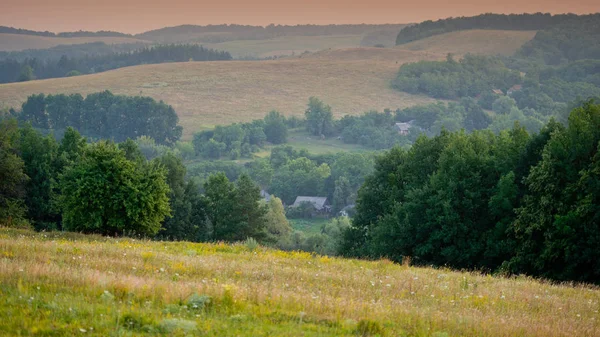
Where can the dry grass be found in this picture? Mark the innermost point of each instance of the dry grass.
(489, 42)
(14, 42)
(204, 94)
(287, 45)
(64, 283)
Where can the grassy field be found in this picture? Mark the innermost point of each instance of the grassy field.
(284, 46)
(489, 42)
(14, 42)
(205, 94)
(309, 226)
(59, 284)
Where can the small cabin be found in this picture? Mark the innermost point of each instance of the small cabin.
(321, 204)
(513, 89)
(403, 128)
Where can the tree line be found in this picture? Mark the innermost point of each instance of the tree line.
(13, 70)
(112, 189)
(513, 202)
(11, 30)
(537, 21)
(103, 115)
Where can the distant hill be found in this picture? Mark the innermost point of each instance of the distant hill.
(537, 21)
(16, 42)
(223, 33)
(81, 33)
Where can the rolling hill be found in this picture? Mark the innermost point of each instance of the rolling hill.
(15, 42)
(479, 41)
(205, 94)
(65, 284)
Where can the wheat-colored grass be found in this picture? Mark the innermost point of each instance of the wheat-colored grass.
(205, 94)
(477, 41)
(66, 284)
(15, 42)
(286, 45)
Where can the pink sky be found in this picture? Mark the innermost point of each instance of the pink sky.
(134, 16)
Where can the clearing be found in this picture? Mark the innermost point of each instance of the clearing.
(15, 42)
(66, 284)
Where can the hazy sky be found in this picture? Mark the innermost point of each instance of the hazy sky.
(134, 16)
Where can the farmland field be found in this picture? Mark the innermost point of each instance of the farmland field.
(476, 41)
(71, 284)
(205, 94)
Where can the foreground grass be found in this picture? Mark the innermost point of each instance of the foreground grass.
(60, 284)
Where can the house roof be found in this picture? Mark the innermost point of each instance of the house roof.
(318, 202)
(403, 126)
(516, 87)
(497, 92)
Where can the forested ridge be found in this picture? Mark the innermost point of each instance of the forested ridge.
(11, 30)
(27, 69)
(536, 21)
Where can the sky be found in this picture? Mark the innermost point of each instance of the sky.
(136, 16)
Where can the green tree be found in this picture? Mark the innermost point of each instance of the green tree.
(220, 205)
(277, 226)
(275, 128)
(319, 119)
(105, 193)
(342, 195)
(12, 177)
(250, 210)
(40, 155)
(26, 74)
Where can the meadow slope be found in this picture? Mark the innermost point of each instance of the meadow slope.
(205, 94)
(476, 41)
(63, 284)
(15, 42)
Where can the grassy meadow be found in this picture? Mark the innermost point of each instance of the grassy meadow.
(205, 94)
(64, 284)
(475, 41)
(15, 42)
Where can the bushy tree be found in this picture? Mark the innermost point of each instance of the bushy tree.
(275, 128)
(12, 177)
(105, 193)
(319, 119)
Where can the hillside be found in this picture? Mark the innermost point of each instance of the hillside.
(14, 42)
(284, 46)
(210, 93)
(68, 284)
(489, 42)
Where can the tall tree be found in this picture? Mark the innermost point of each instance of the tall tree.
(319, 119)
(105, 193)
(12, 177)
(275, 128)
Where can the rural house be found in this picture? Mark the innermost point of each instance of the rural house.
(320, 204)
(514, 88)
(403, 128)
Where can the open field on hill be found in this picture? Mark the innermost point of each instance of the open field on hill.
(287, 45)
(14, 42)
(205, 94)
(63, 284)
(478, 41)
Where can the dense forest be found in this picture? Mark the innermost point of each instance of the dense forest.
(12, 70)
(103, 116)
(537, 21)
(513, 202)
